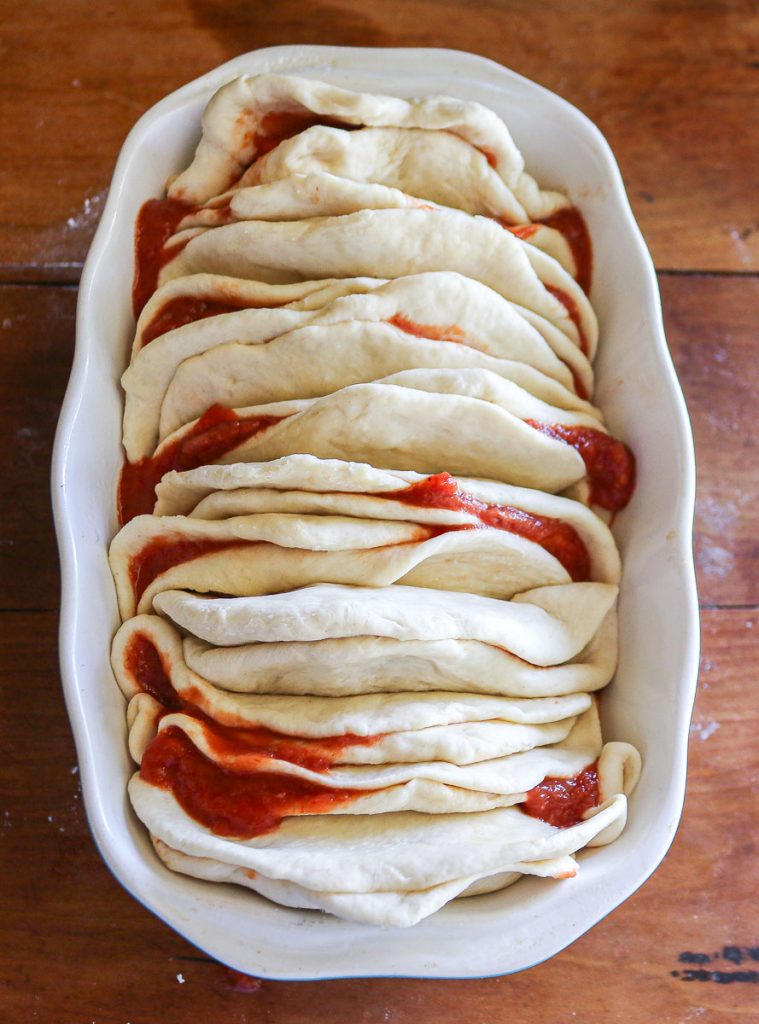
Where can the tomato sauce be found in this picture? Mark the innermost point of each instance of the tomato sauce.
(609, 463)
(144, 663)
(488, 154)
(580, 390)
(185, 309)
(523, 231)
(218, 431)
(164, 553)
(440, 491)
(317, 754)
(234, 804)
(560, 539)
(450, 332)
(571, 224)
(156, 222)
(236, 980)
(278, 125)
(574, 314)
(563, 802)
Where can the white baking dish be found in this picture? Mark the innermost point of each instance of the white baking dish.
(650, 702)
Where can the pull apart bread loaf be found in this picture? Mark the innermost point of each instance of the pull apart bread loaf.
(365, 571)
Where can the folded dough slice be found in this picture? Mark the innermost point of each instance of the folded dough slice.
(247, 764)
(546, 851)
(467, 421)
(243, 795)
(440, 306)
(354, 858)
(253, 746)
(297, 197)
(319, 194)
(271, 552)
(249, 116)
(452, 307)
(313, 361)
(386, 909)
(407, 159)
(149, 665)
(390, 244)
(146, 656)
(305, 485)
(197, 296)
(546, 626)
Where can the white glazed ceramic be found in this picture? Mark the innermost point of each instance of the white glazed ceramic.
(650, 702)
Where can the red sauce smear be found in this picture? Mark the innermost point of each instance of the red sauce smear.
(185, 309)
(571, 306)
(234, 804)
(580, 390)
(451, 332)
(560, 539)
(562, 802)
(156, 222)
(238, 981)
(316, 754)
(448, 333)
(217, 432)
(574, 314)
(523, 231)
(571, 224)
(144, 662)
(488, 154)
(609, 463)
(164, 553)
(278, 125)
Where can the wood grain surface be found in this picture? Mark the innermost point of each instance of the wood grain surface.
(672, 84)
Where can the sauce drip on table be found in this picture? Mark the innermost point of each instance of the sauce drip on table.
(562, 802)
(218, 431)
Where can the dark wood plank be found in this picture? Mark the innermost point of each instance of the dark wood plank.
(672, 84)
(710, 329)
(37, 332)
(75, 947)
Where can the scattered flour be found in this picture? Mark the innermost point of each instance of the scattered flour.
(704, 729)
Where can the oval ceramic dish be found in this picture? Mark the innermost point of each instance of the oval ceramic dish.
(650, 702)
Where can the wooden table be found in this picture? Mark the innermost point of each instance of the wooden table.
(671, 84)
